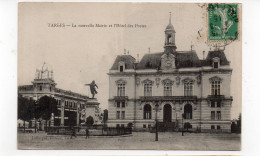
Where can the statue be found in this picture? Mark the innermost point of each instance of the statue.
(92, 86)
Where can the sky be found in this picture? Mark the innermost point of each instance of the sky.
(78, 55)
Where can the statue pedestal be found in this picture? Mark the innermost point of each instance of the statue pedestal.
(93, 102)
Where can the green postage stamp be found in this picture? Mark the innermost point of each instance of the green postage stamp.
(223, 21)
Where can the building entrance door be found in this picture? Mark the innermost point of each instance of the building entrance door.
(167, 113)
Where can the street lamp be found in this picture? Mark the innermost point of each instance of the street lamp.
(182, 124)
(156, 122)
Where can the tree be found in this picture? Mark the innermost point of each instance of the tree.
(90, 121)
(46, 106)
(239, 123)
(25, 109)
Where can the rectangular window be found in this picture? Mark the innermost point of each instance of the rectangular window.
(144, 125)
(215, 88)
(118, 115)
(149, 125)
(66, 103)
(123, 104)
(212, 115)
(75, 105)
(148, 89)
(40, 88)
(121, 90)
(212, 127)
(218, 115)
(118, 104)
(215, 64)
(121, 68)
(212, 104)
(123, 115)
(218, 127)
(218, 104)
(117, 125)
(122, 125)
(188, 89)
(167, 89)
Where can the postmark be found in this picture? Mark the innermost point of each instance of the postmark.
(223, 22)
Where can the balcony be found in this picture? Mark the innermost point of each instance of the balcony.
(120, 98)
(168, 98)
(216, 97)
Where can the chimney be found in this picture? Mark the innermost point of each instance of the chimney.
(138, 58)
(124, 51)
(128, 52)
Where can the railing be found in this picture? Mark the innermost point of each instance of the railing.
(160, 98)
(120, 98)
(93, 131)
(216, 97)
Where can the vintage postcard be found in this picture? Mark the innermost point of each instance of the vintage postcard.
(121, 76)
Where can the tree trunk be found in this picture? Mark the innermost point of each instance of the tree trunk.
(24, 126)
(46, 126)
(35, 125)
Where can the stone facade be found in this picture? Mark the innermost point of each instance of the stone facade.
(175, 83)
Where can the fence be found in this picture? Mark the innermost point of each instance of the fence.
(93, 131)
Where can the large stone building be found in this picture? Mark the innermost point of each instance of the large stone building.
(174, 84)
(69, 103)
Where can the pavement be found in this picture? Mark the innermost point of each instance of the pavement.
(138, 140)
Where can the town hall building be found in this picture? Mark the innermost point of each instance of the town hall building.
(175, 86)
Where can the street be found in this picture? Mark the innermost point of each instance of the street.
(138, 140)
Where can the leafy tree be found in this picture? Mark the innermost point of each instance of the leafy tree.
(25, 109)
(46, 106)
(90, 121)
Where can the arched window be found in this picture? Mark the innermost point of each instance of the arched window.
(188, 111)
(147, 111)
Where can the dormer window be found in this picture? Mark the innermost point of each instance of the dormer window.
(216, 62)
(121, 66)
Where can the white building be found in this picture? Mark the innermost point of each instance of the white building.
(80, 106)
(179, 82)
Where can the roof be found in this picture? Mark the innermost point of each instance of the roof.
(127, 59)
(170, 27)
(184, 59)
(187, 59)
(150, 61)
(212, 54)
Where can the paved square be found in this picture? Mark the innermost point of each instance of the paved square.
(138, 140)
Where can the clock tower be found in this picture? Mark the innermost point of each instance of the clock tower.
(169, 45)
(168, 58)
